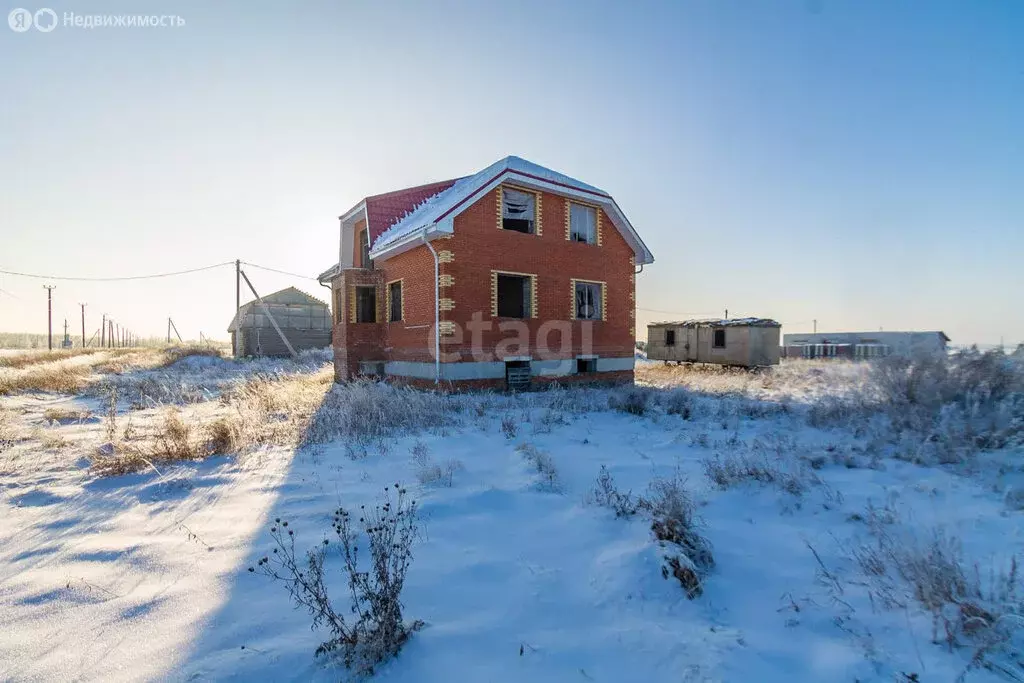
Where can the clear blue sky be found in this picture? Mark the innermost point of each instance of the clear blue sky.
(858, 163)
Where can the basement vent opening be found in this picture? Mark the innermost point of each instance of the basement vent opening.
(586, 365)
(517, 375)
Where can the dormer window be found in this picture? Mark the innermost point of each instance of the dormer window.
(518, 210)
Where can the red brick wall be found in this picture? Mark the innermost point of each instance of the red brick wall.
(355, 342)
(412, 338)
(479, 247)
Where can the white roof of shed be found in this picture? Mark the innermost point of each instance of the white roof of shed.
(715, 322)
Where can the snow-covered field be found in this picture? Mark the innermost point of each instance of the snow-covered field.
(518, 574)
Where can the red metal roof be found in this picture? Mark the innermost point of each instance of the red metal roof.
(382, 210)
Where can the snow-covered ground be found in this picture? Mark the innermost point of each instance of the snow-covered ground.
(145, 576)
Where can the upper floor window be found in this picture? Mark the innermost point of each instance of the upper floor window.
(518, 210)
(588, 301)
(364, 249)
(583, 223)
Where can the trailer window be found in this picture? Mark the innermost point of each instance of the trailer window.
(719, 341)
(670, 337)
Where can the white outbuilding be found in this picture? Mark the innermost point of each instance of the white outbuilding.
(744, 342)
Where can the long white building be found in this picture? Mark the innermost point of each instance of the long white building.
(900, 343)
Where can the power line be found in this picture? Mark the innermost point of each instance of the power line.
(117, 279)
(282, 272)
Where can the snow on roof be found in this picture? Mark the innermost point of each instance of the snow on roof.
(384, 210)
(714, 322)
(434, 208)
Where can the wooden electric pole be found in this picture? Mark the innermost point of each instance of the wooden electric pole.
(83, 324)
(49, 315)
(238, 305)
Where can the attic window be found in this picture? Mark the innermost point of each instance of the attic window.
(670, 337)
(517, 210)
(719, 340)
(583, 223)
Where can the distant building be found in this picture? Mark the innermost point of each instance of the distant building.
(746, 342)
(862, 345)
(304, 320)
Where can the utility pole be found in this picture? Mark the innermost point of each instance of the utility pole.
(238, 305)
(83, 324)
(49, 315)
(103, 332)
(727, 314)
(177, 334)
(168, 329)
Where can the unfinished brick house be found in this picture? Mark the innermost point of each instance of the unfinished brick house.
(508, 278)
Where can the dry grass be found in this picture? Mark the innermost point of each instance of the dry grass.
(58, 377)
(262, 411)
(173, 440)
(541, 462)
(131, 360)
(66, 415)
(792, 378)
(56, 372)
(24, 360)
(173, 354)
(51, 439)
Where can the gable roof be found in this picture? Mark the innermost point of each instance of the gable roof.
(283, 297)
(434, 214)
(384, 210)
